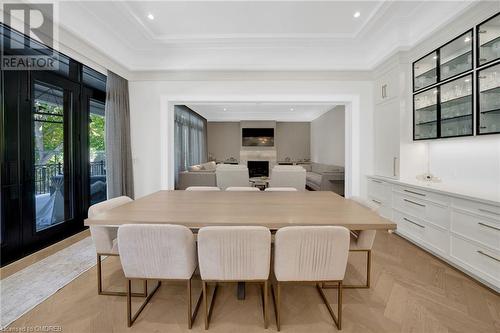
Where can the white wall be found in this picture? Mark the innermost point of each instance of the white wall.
(469, 162)
(152, 117)
(328, 137)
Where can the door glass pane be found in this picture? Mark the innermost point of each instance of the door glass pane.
(424, 71)
(49, 156)
(489, 99)
(426, 114)
(456, 107)
(456, 57)
(97, 152)
(489, 40)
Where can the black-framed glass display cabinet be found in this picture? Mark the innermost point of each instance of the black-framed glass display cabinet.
(456, 87)
(488, 40)
(488, 97)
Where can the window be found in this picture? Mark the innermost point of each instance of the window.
(190, 139)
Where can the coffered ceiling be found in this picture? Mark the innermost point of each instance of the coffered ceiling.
(254, 35)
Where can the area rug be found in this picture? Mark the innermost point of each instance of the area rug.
(23, 290)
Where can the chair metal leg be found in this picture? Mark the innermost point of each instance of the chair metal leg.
(115, 293)
(131, 318)
(277, 303)
(265, 292)
(355, 286)
(192, 316)
(336, 318)
(208, 310)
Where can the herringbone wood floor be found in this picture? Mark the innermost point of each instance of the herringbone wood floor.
(411, 292)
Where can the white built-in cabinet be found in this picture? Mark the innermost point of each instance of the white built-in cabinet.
(463, 231)
(386, 122)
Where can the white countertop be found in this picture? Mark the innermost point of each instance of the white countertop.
(491, 197)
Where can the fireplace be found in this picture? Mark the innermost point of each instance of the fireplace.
(258, 168)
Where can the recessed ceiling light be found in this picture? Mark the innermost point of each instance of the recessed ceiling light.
(151, 16)
(291, 109)
(356, 14)
(225, 109)
(467, 39)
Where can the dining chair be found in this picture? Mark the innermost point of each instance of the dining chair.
(231, 175)
(281, 189)
(234, 254)
(315, 254)
(242, 189)
(288, 176)
(361, 241)
(158, 252)
(105, 242)
(202, 188)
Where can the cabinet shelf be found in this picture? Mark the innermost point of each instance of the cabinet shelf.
(456, 117)
(426, 72)
(491, 42)
(426, 122)
(490, 90)
(457, 100)
(452, 60)
(494, 111)
(428, 108)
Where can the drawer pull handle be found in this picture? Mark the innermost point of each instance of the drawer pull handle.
(415, 203)
(412, 192)
(488, 226)
(487, 255)
(376, 181)
(376, 201)
(488, 211)
(415, 223)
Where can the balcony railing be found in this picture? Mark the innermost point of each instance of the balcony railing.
(44, 173)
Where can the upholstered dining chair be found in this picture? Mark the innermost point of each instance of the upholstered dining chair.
(234, 254)
(362, 241)
(315, 254)
(288, 176)
(105, 242)
(231, 175)
(281, 189)
(158, 252)
(202, 188)
(242, 189)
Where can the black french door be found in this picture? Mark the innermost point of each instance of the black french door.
(42, 170)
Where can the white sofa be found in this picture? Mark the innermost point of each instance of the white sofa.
(324, 177)
(288, 176)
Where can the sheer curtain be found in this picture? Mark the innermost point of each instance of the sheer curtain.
(190, 132)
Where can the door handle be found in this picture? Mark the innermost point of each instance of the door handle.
(394, 166)
(487, 255)
(488, 226)
(412, 192)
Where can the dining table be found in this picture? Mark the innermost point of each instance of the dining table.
(274, 210)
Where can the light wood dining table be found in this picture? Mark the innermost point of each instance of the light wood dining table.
(196, 209)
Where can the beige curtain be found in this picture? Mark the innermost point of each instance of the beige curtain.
(119, 173)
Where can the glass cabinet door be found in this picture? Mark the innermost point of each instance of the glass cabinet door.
(425, 71)
(456, 107)
(489, 40)
(456, 56)
(425, 114)
(489, 100)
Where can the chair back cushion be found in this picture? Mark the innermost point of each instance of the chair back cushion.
(242, 189)
(288, 176)
(311, 253)
(229, 175)
(234, 253)
(157, 251)
(103, 236)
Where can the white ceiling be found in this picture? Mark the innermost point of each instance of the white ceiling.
(261, 111)
(254, 35)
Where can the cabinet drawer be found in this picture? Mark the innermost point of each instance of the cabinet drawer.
(482, 260)
(422, 231)
(418, 193)
(478, 208)
(483, 230)
(422, 209)
(379, 191)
